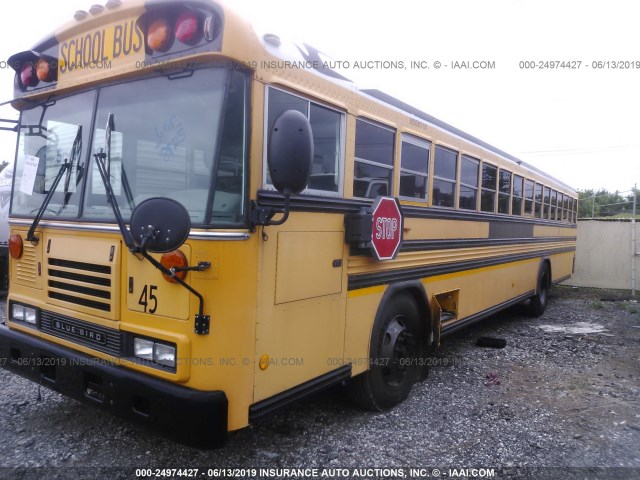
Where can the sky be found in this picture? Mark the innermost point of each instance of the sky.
(581, 125)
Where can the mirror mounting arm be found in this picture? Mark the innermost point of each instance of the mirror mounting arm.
(262, 216)
(202, 321)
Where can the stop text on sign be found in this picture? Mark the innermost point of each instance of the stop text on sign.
(386, 228)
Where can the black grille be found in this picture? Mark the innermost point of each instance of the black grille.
(81, 283)
(99, 338)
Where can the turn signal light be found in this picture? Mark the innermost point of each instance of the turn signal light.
(171, 260)
(159, 35)
(44, 71)
(15, 246)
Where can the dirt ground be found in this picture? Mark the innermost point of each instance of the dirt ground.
(560, 400)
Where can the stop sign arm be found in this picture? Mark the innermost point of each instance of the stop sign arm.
(378, 228)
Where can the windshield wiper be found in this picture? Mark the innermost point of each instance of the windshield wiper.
(76, 150)
(31, 234)
(103, 162)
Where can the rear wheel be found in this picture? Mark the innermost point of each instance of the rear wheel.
(538, 302)
(395, 355)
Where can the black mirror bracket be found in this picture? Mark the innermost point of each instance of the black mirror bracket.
(263, 216)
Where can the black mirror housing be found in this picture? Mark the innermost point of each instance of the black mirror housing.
(160, 225)
(290, 152)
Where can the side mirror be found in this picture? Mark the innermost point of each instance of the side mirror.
(290, 152)
(160, 225)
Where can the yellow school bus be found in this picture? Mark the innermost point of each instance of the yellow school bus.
(207, 224)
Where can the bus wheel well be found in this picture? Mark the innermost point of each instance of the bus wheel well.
(418, 294)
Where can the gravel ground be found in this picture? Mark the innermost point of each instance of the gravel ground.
(549, 405)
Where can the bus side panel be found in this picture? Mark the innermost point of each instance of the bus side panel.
(300, 327)
(561, 266)
(362, 306)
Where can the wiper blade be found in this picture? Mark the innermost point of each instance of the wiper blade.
(31, 233)
(75, 157)
(103, 160)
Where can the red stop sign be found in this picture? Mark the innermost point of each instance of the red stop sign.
(386, 235)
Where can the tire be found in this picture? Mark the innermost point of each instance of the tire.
(538, 303)
(397, 347)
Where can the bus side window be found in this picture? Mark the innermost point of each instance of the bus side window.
(516, 201)
(445, 167)
(489, 187)
(504, 195)
(469, 183)
(373, 165)
(414, 168)
(538, 201)
(327, 127)
(554, 203)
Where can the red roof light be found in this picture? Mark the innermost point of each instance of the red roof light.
(187, 28)
(27, 76)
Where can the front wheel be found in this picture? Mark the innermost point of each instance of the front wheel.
(538, 302)
(396, 353)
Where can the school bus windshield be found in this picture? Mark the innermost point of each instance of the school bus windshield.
(179, 136)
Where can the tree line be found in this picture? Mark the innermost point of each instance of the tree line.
(602, 203)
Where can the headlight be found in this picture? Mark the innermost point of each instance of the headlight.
(143, 348)
(164, 354)
(156, 352)
(22, 313)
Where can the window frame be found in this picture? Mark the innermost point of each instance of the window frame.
(505, 194)
(476, 188)
(553, 211)
(514, 197)
(453, 181)
(391, 167)
(342, 146)
(538, 204)
(495, 187)
(420, 143)
(528, 183)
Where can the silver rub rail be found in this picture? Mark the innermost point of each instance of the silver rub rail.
(202, 234)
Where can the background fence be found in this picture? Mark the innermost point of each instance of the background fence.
(607, 254)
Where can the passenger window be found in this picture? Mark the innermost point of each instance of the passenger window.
(414, 167)
(538, 201)
(516, 203)
(489, 187)
(504, 195)
(327, 127)
(444, 177)
(469, 169)
(373, 165)
(528, 197)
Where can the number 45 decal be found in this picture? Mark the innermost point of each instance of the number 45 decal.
(148, 299)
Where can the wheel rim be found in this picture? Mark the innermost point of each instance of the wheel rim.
(395, 351)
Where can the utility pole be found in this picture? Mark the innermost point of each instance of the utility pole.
(593, 205)
(634, 253)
